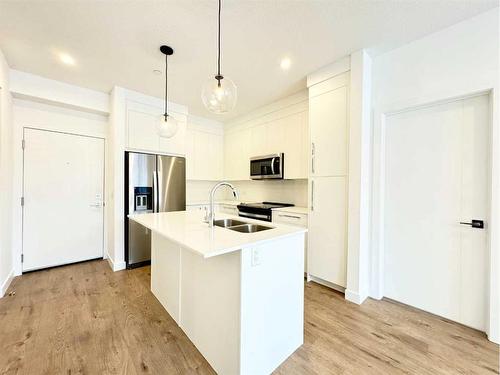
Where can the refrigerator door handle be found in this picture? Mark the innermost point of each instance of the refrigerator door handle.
(155, 191)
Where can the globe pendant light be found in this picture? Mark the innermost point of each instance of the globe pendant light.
(168, 125)
(219, 95)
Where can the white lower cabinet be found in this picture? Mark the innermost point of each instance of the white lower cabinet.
(327, 236)
(293, 218)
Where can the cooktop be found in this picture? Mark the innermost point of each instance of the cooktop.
(265, 205)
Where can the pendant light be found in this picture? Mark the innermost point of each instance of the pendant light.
(219, 95)
(168, 125)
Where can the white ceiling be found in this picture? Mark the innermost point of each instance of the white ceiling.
(116, 42)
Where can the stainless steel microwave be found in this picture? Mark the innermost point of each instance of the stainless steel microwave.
(266, 167)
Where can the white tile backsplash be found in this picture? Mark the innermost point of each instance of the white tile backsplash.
(197, 191)
(284, 191)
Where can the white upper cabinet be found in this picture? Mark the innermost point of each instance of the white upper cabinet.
(142, 130)
(295, 145)
(329, 130)
(177, 144)
(190, 169)
(283, 129)
(237, 151)
(258, 140)
(204, 152)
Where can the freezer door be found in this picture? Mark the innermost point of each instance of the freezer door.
(171, 183)
(141, 170)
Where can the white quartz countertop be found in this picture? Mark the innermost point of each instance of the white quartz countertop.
(188, 230)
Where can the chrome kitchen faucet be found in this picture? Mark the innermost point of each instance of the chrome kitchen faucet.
(210, 216)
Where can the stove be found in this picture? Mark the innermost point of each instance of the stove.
(260, 211)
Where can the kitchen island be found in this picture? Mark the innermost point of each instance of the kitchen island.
(238, 296)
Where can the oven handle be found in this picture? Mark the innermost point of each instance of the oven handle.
(253, 216)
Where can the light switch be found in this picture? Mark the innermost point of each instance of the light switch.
(256, 260)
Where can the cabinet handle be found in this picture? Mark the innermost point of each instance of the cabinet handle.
(290, 216)
(312, 195)
(312, 156)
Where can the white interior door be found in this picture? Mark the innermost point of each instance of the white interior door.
(63, 198)
(436, 176)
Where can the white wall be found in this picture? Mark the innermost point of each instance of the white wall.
(458, 61)
(360, 173)
(27, 113)
(36, 88)
(6, 266)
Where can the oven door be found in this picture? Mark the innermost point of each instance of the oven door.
(255, 216)
(266, 167)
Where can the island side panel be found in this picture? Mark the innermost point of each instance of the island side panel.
(210, 305)
(272, 304)
(165, 274)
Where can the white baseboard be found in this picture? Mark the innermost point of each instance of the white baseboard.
(325, 283)
(354, 297)
(118, 266)
(6, 283)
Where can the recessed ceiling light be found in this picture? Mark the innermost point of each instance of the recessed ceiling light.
(66, 59)
(285, 63)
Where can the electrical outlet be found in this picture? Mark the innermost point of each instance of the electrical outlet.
(256, 260)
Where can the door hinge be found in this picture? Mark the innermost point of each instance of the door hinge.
(23, 144)
(22, 201)
(22, 258)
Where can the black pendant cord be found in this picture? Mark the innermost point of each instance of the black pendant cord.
(166, 87)
(219, 76)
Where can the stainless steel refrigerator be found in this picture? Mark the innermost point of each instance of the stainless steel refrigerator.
(153, 183)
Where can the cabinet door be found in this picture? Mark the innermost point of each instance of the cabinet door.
(217, 143)
(327, 250)
(328, 124)
(258, 140)
(190, 154)
(298, 220)
(229, 140)
(177, 144)
(242, 155)
(142, 130)
(295, 145)
(202, 165)
(275, 136)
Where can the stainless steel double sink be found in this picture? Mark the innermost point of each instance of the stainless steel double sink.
(240, 226)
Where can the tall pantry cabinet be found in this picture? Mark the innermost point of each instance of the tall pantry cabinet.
(328, 176)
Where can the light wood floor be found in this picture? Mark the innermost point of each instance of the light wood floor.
(85, 319)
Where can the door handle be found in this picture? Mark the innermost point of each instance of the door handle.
(475, 224)
(312, 195)
(155, 192)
